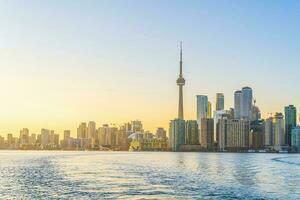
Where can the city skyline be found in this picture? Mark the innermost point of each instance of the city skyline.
(51, 80)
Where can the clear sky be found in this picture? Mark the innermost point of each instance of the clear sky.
(113, 61)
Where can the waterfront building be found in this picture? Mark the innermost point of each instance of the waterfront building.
(176, 134)
(257, 134)
(295, 139)
(107, 136)
(220, 101)
(191, 132)
(122, 142)
(154, 144)
(180, 82)
(161, 133)
(238, 134)
(269, 133)
(222, 132)
(233, 134)
(237, 104)
(279, 133)
(202, 109)
(290, 118)
(207, 133)
(218, 114)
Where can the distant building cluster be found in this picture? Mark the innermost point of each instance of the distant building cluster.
(237, 129)
(89, 137)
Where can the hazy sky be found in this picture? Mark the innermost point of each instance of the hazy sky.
(113, 61)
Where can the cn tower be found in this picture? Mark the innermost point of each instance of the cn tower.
(180, 82)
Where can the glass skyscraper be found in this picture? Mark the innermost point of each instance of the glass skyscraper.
(295, 139)
(220, 101)
(177, 134)
(290, 114)
(246, 103)
(237, 104)
(243, 103)
(191, 132)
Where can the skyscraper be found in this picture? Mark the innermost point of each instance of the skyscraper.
(233, 134)
(279, 134)
(67, 134)
(191, 132)
(290, 115)
(24, 136)
(91, 130)
(295, 140)
(246, 103)
(180, 82)
(202, 107)
(82, 131)
(257, 134)
(220, 101)
(176, 134)
(237, 104)
(207, 133)
(208, 115)
(202, 110)
(269, 133)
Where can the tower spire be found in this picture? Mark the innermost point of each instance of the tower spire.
(180, 72)
(180, 82)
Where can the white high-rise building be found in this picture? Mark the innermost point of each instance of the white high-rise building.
(269, 134)
(279, 133)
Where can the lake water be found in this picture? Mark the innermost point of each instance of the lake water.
(148, 175)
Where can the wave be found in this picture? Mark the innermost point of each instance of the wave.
(293, 160)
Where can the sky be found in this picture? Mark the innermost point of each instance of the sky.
(63, 62)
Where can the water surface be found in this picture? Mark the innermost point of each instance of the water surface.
(148, 175)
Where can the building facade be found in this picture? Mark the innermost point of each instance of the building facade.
(207, 133)
(295, 140)
(220, 101)
(191, 132)
(279, 132)
(237, 104)
(290, 118)
(176, 134)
